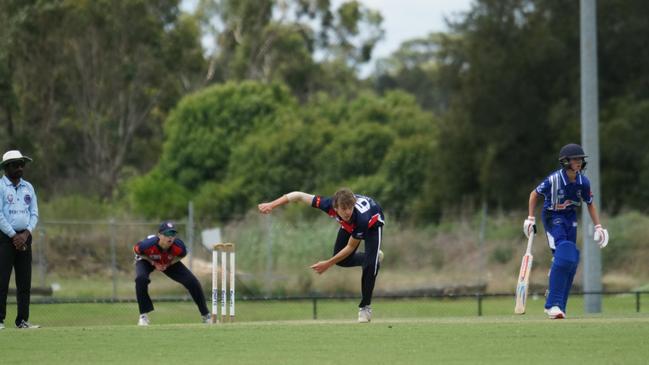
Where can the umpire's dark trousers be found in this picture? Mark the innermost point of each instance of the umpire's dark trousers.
(21, 262)
(177, 272)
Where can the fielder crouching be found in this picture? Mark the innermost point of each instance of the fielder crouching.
(563, 191)
(163, 252)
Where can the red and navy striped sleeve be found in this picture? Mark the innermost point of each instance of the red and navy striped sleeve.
(325, 204)
(144, 245)
(178, 248)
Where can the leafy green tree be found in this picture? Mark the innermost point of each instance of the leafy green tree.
(511, 69)
(30, 80)
(123, 62)
(404, 172)
(237, 144)
(205, 128)
(303, 43)
(625, 164)
(92, 81)
(7, 93)
(414, 68)
(268, 163)
(156, 195)
(499, 65)
(357, 151)
(380, 146)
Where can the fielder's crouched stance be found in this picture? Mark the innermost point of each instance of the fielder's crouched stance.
(563, 191)
(163, 252)
(360, 218)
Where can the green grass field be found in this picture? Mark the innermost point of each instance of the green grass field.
(470, 340)
(421, 331)
(104, 314)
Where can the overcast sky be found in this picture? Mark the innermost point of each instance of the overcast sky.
(406, 19)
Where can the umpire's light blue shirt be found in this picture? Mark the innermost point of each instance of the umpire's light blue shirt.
(18, 206)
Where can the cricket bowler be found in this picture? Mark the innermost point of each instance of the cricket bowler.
(562, 192)
(360, 218)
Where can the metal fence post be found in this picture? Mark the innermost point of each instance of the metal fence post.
(479, 305)
(315, 308)
(190, 233)
(481, 239)
(637, 302)
(269, 257)
(42, 268)
(591, 255)
(113, 256)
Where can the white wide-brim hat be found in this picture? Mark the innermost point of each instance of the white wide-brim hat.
(13, 155)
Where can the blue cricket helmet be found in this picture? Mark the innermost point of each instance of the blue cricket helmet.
(572, 150)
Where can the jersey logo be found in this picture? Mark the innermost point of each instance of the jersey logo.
(10, 198)
(28, 199)
(568, 203)
(362, 205)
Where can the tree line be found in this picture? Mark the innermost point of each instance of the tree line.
(121, 100)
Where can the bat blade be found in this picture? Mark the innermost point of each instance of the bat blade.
(522, 287)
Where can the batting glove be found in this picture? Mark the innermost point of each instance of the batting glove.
(601, 236)
(529, 226)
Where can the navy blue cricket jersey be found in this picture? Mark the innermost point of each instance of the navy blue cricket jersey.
(561, 195)
(367, 214)
(149, 247)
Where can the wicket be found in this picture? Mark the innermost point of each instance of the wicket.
(224, 249)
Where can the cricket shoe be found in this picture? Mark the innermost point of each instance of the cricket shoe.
(25, 324)
(380, 256)
(555, 313)
(207, 318)
(2, 325)
(364, 314)
(144, 320)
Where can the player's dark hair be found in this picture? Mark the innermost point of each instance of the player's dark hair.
(344, 198)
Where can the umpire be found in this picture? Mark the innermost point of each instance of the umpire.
(18, 218)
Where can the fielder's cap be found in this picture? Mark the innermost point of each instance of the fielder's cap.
(167, 226)
(13, 155)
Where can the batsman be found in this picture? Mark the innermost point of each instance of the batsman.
(562, 192)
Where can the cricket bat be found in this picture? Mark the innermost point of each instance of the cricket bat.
(524, 276)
